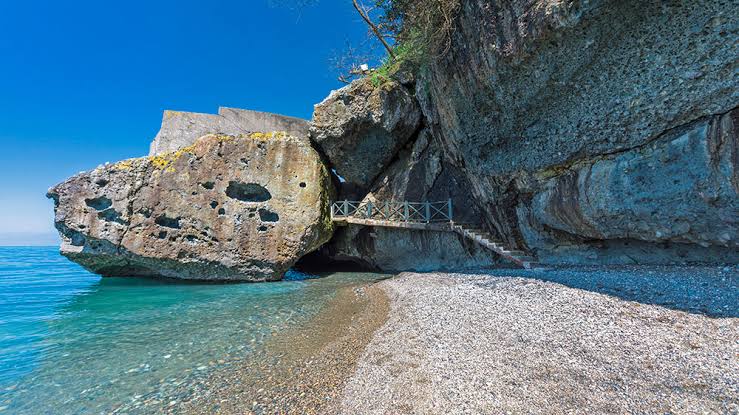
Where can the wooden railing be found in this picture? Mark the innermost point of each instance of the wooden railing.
(418, 212)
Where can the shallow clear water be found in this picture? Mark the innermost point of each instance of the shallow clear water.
(72, 342)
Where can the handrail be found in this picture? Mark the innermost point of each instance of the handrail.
(396, 211)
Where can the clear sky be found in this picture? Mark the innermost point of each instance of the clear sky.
(82, 83)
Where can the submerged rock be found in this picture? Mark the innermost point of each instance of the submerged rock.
(231, 208)
(361, 127)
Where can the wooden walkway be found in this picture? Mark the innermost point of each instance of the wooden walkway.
(425, 216)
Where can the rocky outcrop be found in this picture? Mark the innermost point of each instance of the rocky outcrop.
(181, 129)
(237, 208)
(418, 173)
(361, 127)
(395, 250)
(594, 131)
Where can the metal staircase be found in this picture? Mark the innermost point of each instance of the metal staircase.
(431, 216)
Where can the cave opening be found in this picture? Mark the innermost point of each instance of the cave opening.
(247, 192)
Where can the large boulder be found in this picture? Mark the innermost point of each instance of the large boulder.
(361, 127)
(180, 129)
(227, 208)
(564, 115)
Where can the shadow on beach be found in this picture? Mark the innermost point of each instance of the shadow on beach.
(712, 291)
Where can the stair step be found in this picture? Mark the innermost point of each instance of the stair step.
(487, 240)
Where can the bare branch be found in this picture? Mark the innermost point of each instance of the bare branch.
(363, 12)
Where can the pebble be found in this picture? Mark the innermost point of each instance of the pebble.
(470, 344)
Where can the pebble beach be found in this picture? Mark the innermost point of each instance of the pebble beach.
(503, 342)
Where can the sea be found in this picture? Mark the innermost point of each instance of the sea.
(72, 342)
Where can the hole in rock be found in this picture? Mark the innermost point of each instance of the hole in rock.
(99, 203)
(208, 185)
(214, 204)
(262, 228)
(168, 222)
(77, 239)
(55, 198)
(302, 184)
(247, 192)
(111, 215)
(268, 216)
(319, 262)
(338, 176)
(101, 182)
(162, 234)
(221, 211)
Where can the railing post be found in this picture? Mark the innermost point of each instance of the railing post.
(405, 211)
(449, 209)
(333, 205)
(346, 208)
(369, 210)
(427, 211)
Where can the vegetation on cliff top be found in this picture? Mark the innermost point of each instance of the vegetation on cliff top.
(411, 31)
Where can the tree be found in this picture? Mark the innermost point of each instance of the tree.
(364, 12)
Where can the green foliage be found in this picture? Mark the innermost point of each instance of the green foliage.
(409, 55)
(429, 23)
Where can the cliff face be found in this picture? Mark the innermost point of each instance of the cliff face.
(374, 138)
(598, 131)
(239, 208)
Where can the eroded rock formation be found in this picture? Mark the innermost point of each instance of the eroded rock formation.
(589, 130)
(416, 171)
(584, 132)
(225, 208)
(362, 126)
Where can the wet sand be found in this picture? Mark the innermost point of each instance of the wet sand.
(302, 371)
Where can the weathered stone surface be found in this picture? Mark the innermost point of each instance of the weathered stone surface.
(680, 189)
(225, 208)
(394, 250)
(362, 126)
(552, 110)
(418, 174)
(180, 129)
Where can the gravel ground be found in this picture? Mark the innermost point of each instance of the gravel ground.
(523, 344)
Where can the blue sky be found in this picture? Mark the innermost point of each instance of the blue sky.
(82, 83)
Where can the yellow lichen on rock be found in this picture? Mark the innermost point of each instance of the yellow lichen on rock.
(124, 165)
(269, 135)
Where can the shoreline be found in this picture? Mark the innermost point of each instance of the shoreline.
(507, 341)
(302, 370)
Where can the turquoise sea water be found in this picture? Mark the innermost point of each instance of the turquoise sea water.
(73, 343)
